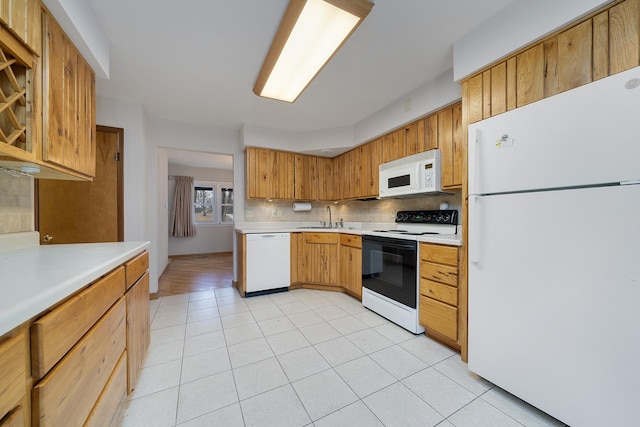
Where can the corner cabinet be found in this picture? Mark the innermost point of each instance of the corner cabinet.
(320, 258)
(439, 293)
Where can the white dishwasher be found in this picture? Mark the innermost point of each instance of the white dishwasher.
(268, 261)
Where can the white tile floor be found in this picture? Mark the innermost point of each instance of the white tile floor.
(304, 358)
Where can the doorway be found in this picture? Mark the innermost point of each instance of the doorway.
(86, 211)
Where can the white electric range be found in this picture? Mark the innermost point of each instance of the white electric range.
(390, 264)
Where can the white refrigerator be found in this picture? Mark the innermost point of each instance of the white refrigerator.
(554, 252)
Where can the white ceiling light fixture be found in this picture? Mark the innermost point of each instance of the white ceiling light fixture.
(310, 33)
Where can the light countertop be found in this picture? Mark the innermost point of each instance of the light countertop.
(32, 279)
(349, 228)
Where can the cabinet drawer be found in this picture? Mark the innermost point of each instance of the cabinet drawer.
(439, 317)
(14, 419)
(111, 401)
(67, 394)
(440, 254)
(53, 335)
(12, 373)
(439, 272)
(326, 238)
(351, 240)
(136, 267)
(435, 290)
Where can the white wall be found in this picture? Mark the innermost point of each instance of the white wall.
(210, 238)
(434, 95)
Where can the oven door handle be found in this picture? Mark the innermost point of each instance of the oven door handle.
(401, 246)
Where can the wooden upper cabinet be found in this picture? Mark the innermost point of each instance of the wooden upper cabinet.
(305, 177)
(575, 47)
(428, 133)
(411, 139)
(595, 47)
(270, 174)
(370, 162)
(68, 104)
(393, 145)
(22, 18)
(326, 188)
(624, 36)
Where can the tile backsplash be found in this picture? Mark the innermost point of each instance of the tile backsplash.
(16, 203)
(351, 211)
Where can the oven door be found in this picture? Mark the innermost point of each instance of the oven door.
(389, 268)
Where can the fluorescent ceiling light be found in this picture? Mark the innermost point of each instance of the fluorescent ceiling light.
(310, 33)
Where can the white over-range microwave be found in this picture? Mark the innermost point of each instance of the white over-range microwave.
(418, 174)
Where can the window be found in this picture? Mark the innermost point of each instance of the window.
(213, 202)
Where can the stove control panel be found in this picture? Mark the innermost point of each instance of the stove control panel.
(428, 217)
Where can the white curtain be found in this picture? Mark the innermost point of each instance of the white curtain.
(182, 215)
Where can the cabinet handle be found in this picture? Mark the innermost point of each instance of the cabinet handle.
(47, 238)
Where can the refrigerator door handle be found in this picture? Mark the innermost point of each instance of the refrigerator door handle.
(474, 232)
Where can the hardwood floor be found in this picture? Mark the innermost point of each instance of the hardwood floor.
(193, 273)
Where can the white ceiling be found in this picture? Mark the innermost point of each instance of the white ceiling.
(196, 61)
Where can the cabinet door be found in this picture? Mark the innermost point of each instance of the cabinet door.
(450, 134)
(369, 163)
(321, 256)
(270, 174)
(411, 139)
(69, 104)
(351, 270)
(138, 326)
(326, 188)
(306, 177)
(355, 165)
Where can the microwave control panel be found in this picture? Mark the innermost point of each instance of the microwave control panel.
(428, 176)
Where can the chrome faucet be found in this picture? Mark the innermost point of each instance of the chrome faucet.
(329, 209)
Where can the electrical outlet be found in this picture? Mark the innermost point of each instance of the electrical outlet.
(274, 212)
(279, 213)
(248, 213)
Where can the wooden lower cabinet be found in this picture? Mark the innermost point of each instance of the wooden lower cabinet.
(350, 272)
(138, 328)
(14, 419)
(67, 394)
(13, 378)
(439, 293)
(55, 333)
(330, 261)
(85, 354)
(106, 412)
(321, 258)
